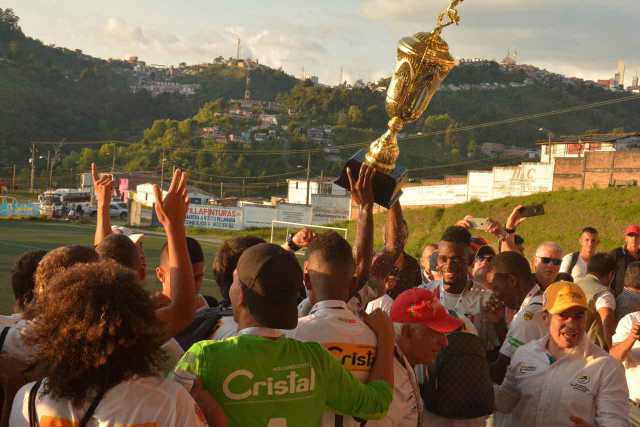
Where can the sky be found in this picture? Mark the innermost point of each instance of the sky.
(581, 38)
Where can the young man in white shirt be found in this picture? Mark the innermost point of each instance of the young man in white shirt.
(329, 279)
(575, 263)
(515, 287)
(601, 323)
(563, 379)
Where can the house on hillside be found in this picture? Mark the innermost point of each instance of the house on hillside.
(577, 146)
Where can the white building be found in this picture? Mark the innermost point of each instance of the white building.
(576, 146)
(297, 189)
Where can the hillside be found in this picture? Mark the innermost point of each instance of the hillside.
(55, 93)
(609, 210)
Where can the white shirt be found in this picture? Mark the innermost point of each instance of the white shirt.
(632, 361)
(345, 336)
(149, 401)
(10, 320)
(406, 408)
(605, 300)
(227, 328)
(587, 383)
(578, 271)
(384, 303)
(14, 345)
(527, 324)
(174, 353)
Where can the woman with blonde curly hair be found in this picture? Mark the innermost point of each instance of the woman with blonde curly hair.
(98, 340)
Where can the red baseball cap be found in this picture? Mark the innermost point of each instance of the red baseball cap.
(632, 228)
(417, 305)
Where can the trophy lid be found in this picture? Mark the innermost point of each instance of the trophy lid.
(429, 45)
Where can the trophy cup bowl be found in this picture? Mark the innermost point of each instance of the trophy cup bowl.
(423, 62)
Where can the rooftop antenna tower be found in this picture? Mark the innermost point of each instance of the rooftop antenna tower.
(238, 50)
(247, 87)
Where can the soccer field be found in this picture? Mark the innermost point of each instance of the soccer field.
(17, 237)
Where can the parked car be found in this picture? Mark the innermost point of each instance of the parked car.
(117, 209)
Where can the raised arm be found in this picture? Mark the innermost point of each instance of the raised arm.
(171, 212)
(514, 220)
(362, 195)
(103, 188)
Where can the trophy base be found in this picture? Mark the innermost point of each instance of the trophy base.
(386, 187)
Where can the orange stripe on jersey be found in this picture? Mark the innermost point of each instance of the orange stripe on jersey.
(353, 357)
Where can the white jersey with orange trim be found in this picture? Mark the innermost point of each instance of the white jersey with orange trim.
(148, 401)
(345, 336)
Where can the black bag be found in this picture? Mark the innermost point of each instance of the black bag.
(459, 385)
(203, 326)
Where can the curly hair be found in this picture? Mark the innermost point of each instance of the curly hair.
(59, 259)
(22, 277)
(226, 261)
(95, 329)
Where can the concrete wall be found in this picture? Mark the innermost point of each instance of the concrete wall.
(439, 195)
(480, 185)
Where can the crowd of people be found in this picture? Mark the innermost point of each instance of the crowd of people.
(470, 334)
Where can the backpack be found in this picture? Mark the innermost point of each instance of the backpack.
(203, 326)
(574, 261)
(459, 385)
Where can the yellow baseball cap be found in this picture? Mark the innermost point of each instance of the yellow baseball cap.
(561, 296)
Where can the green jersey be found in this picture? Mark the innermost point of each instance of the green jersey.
(281, 382)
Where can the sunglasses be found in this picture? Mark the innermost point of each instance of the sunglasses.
(553, 261)
(632, 234)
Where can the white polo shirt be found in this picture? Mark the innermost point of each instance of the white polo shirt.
(587, 383)
(527, 324)
(632, 361)
(345, 336)
(148, 401)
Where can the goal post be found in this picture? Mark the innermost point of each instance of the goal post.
(297, 225)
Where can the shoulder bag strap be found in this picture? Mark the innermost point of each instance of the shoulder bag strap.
(33, 414)
(3, 336)
(92, 409)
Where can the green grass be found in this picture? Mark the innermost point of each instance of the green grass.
(17, 237)
(567, 212)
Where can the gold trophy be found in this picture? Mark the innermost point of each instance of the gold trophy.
(423, 63)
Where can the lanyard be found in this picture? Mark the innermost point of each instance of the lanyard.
(261, 332)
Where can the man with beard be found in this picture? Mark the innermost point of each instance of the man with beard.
(563, 379)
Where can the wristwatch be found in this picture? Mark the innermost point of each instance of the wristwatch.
(292, 245)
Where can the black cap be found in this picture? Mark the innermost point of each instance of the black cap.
(272, 277)
(485, 250)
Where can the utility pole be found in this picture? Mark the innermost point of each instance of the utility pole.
(162, 171)
(244, 194)
(13, 179)
(48, 166)
(221, 189)
(308, 175)
(113, 161)
(33, 166)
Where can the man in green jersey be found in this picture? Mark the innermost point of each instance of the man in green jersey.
(261, 378)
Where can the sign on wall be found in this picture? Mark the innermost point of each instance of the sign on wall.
(214, 217)
(10, 209)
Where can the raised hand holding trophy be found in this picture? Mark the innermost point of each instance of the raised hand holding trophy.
(422, 64)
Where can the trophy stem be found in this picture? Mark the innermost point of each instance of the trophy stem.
(384, 151)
